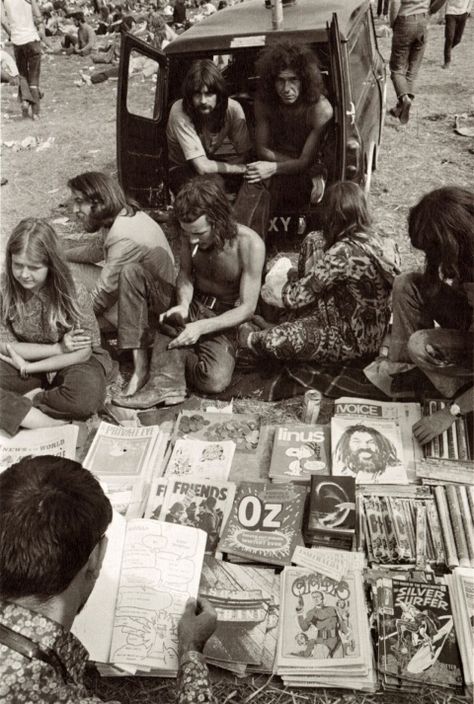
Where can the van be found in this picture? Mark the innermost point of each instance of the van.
(340, 32)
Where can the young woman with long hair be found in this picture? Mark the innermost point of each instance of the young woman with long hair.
(49, 337)
(136, 282)
(337, 303)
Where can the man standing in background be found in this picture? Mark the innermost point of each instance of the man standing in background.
(409, 20)
(457, 12)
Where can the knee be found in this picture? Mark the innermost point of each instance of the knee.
(213, 383)
(84, 399)
(131, 273)
(417, 347)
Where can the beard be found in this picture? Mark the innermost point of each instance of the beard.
(372, 464)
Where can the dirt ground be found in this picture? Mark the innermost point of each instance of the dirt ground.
(79, 123)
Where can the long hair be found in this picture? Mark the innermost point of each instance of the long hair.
(37, 239)
(388, 452)
(205, 74)
(287, 56)
(345, 212)
(203, 195)
(442, 226)
(106, 196)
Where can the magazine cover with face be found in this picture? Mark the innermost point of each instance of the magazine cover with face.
(370, 450)
(322, 623)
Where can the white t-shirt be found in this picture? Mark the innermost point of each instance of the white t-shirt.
(458, 7)
(20, 18)
(184, 143)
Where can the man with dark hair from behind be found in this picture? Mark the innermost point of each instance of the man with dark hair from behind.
(199, 123)
(53, 520)
(217, 289)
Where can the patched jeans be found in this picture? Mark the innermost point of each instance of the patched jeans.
(408, 46)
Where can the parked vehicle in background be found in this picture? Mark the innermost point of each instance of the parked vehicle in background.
(340, 32)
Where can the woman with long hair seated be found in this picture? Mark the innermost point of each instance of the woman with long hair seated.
(337, 304)
(136, 282)
(49, 338)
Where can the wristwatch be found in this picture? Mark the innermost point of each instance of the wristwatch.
(454, 409)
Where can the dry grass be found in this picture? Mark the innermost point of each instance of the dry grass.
(416, 158)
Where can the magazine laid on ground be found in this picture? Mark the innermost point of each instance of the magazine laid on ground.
(201, 504)
(265, 522)
(461, 590)
(58, 440)
(323, 631)
(208, 460)
(370, 450)
(125, 460)
(300, 451)
(404, 414)
(130, 620)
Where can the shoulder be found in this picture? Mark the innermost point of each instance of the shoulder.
(249, 241)
(234, 108)
(321, 111)
(177, 111)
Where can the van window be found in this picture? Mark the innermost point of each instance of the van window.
(360, 61)
(143, 79)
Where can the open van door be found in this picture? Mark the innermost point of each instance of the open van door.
(141, 122)
(342, 111)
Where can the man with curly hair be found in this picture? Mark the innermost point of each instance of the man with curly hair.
(291, 112)
(362, 449)
(217, 289)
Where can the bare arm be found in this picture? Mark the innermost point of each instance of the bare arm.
(429, 427)
(274, 162)
(47, 364)
(252, 254)
(203, 165)
(393, 11)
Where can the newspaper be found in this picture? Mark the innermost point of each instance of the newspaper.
(58, 440)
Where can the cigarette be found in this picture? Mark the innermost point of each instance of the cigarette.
(195, 249)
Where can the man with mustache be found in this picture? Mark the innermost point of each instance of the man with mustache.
(364, 449)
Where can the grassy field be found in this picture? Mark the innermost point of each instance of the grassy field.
(79, 124)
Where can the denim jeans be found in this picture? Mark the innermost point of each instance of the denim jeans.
(453, 31)
(28, 61)
(408, 46)
(76, 392)
(207, 366)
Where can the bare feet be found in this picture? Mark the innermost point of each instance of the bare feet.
(136, 382)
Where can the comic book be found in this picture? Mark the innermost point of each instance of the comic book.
(331, 511)
(209, 460)
(149, 571)
(323, 631)
(201, 504)
(156, 498)
(242, 428)
(299, 452)
(125, 460)
(243, 599)
(265, 522)
(370, 450)
(418, 641)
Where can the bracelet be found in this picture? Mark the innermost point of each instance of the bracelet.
(23, 372)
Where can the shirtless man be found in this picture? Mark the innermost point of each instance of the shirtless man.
(291, 111)
(217, 289)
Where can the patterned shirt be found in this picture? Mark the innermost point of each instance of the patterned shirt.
(34, 324)
(24, 681)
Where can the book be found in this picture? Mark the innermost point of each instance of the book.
(443, 471)
(149, 571)
(265, 522)
(125, 460)
(202, 504)
(331, 510)
(58, 440)
(156, 498)
(323, 635)
(452, 443)
(368, 450)
(418, 641)
(299, 451)
(242, 428)
(404, 414)
(242, 596)
(208, 460)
